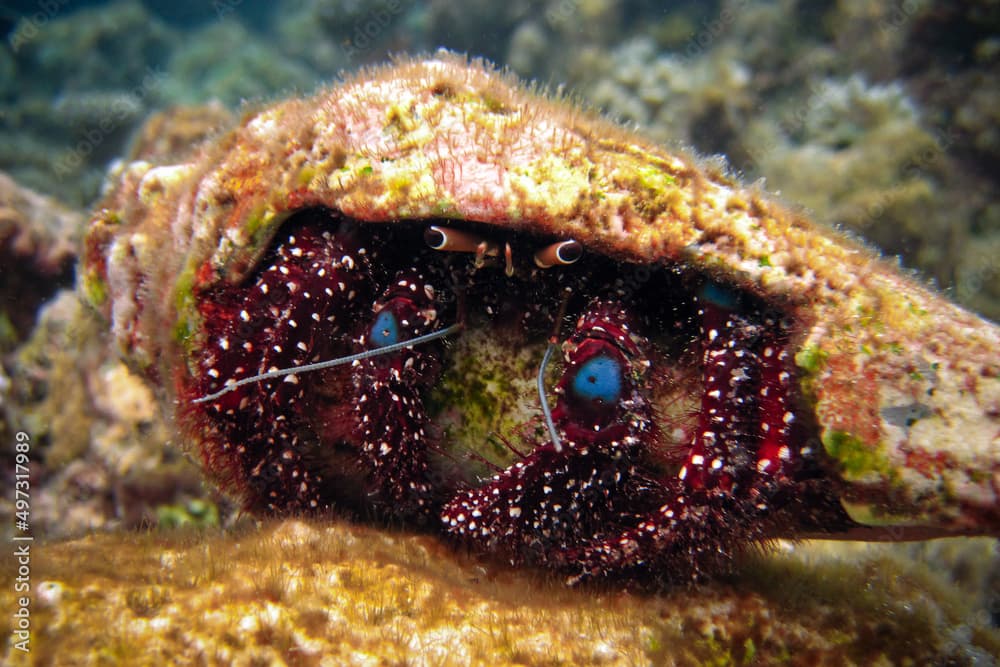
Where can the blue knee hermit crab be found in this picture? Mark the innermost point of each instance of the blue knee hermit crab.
(428, 234)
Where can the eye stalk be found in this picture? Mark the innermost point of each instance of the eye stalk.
(447, 239)
(561, 253)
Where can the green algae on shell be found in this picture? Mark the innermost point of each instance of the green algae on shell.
(903, 385)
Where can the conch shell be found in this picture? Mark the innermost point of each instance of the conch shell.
(903, 385)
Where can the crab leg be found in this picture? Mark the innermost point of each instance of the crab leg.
(774, 454)
(730, 370)
(389, 392)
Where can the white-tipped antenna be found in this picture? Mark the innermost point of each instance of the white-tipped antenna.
(553, 346)
(545, 403)
(340, 361)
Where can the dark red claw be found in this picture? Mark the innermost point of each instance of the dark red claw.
(291, 313)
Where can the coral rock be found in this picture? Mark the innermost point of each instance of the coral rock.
(306, 593)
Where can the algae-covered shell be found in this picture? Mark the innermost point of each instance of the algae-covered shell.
(904, 385)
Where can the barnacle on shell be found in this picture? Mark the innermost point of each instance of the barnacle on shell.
(895, 389)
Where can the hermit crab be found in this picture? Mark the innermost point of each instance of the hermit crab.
(434, 296)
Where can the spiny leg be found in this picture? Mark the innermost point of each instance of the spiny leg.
(389, 394)
(718, 460)
(775, 458)
(563, 492)
(294, 311)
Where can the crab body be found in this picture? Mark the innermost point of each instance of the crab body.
(730, 371)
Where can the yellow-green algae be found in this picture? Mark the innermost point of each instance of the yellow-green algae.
(306, 593)
(856, 459)
(95, 289)
(194, 512)
(493, 386)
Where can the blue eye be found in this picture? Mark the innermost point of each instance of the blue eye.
(600, 379)
(385, 330)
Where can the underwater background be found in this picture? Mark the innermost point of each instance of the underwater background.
(879, 118)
